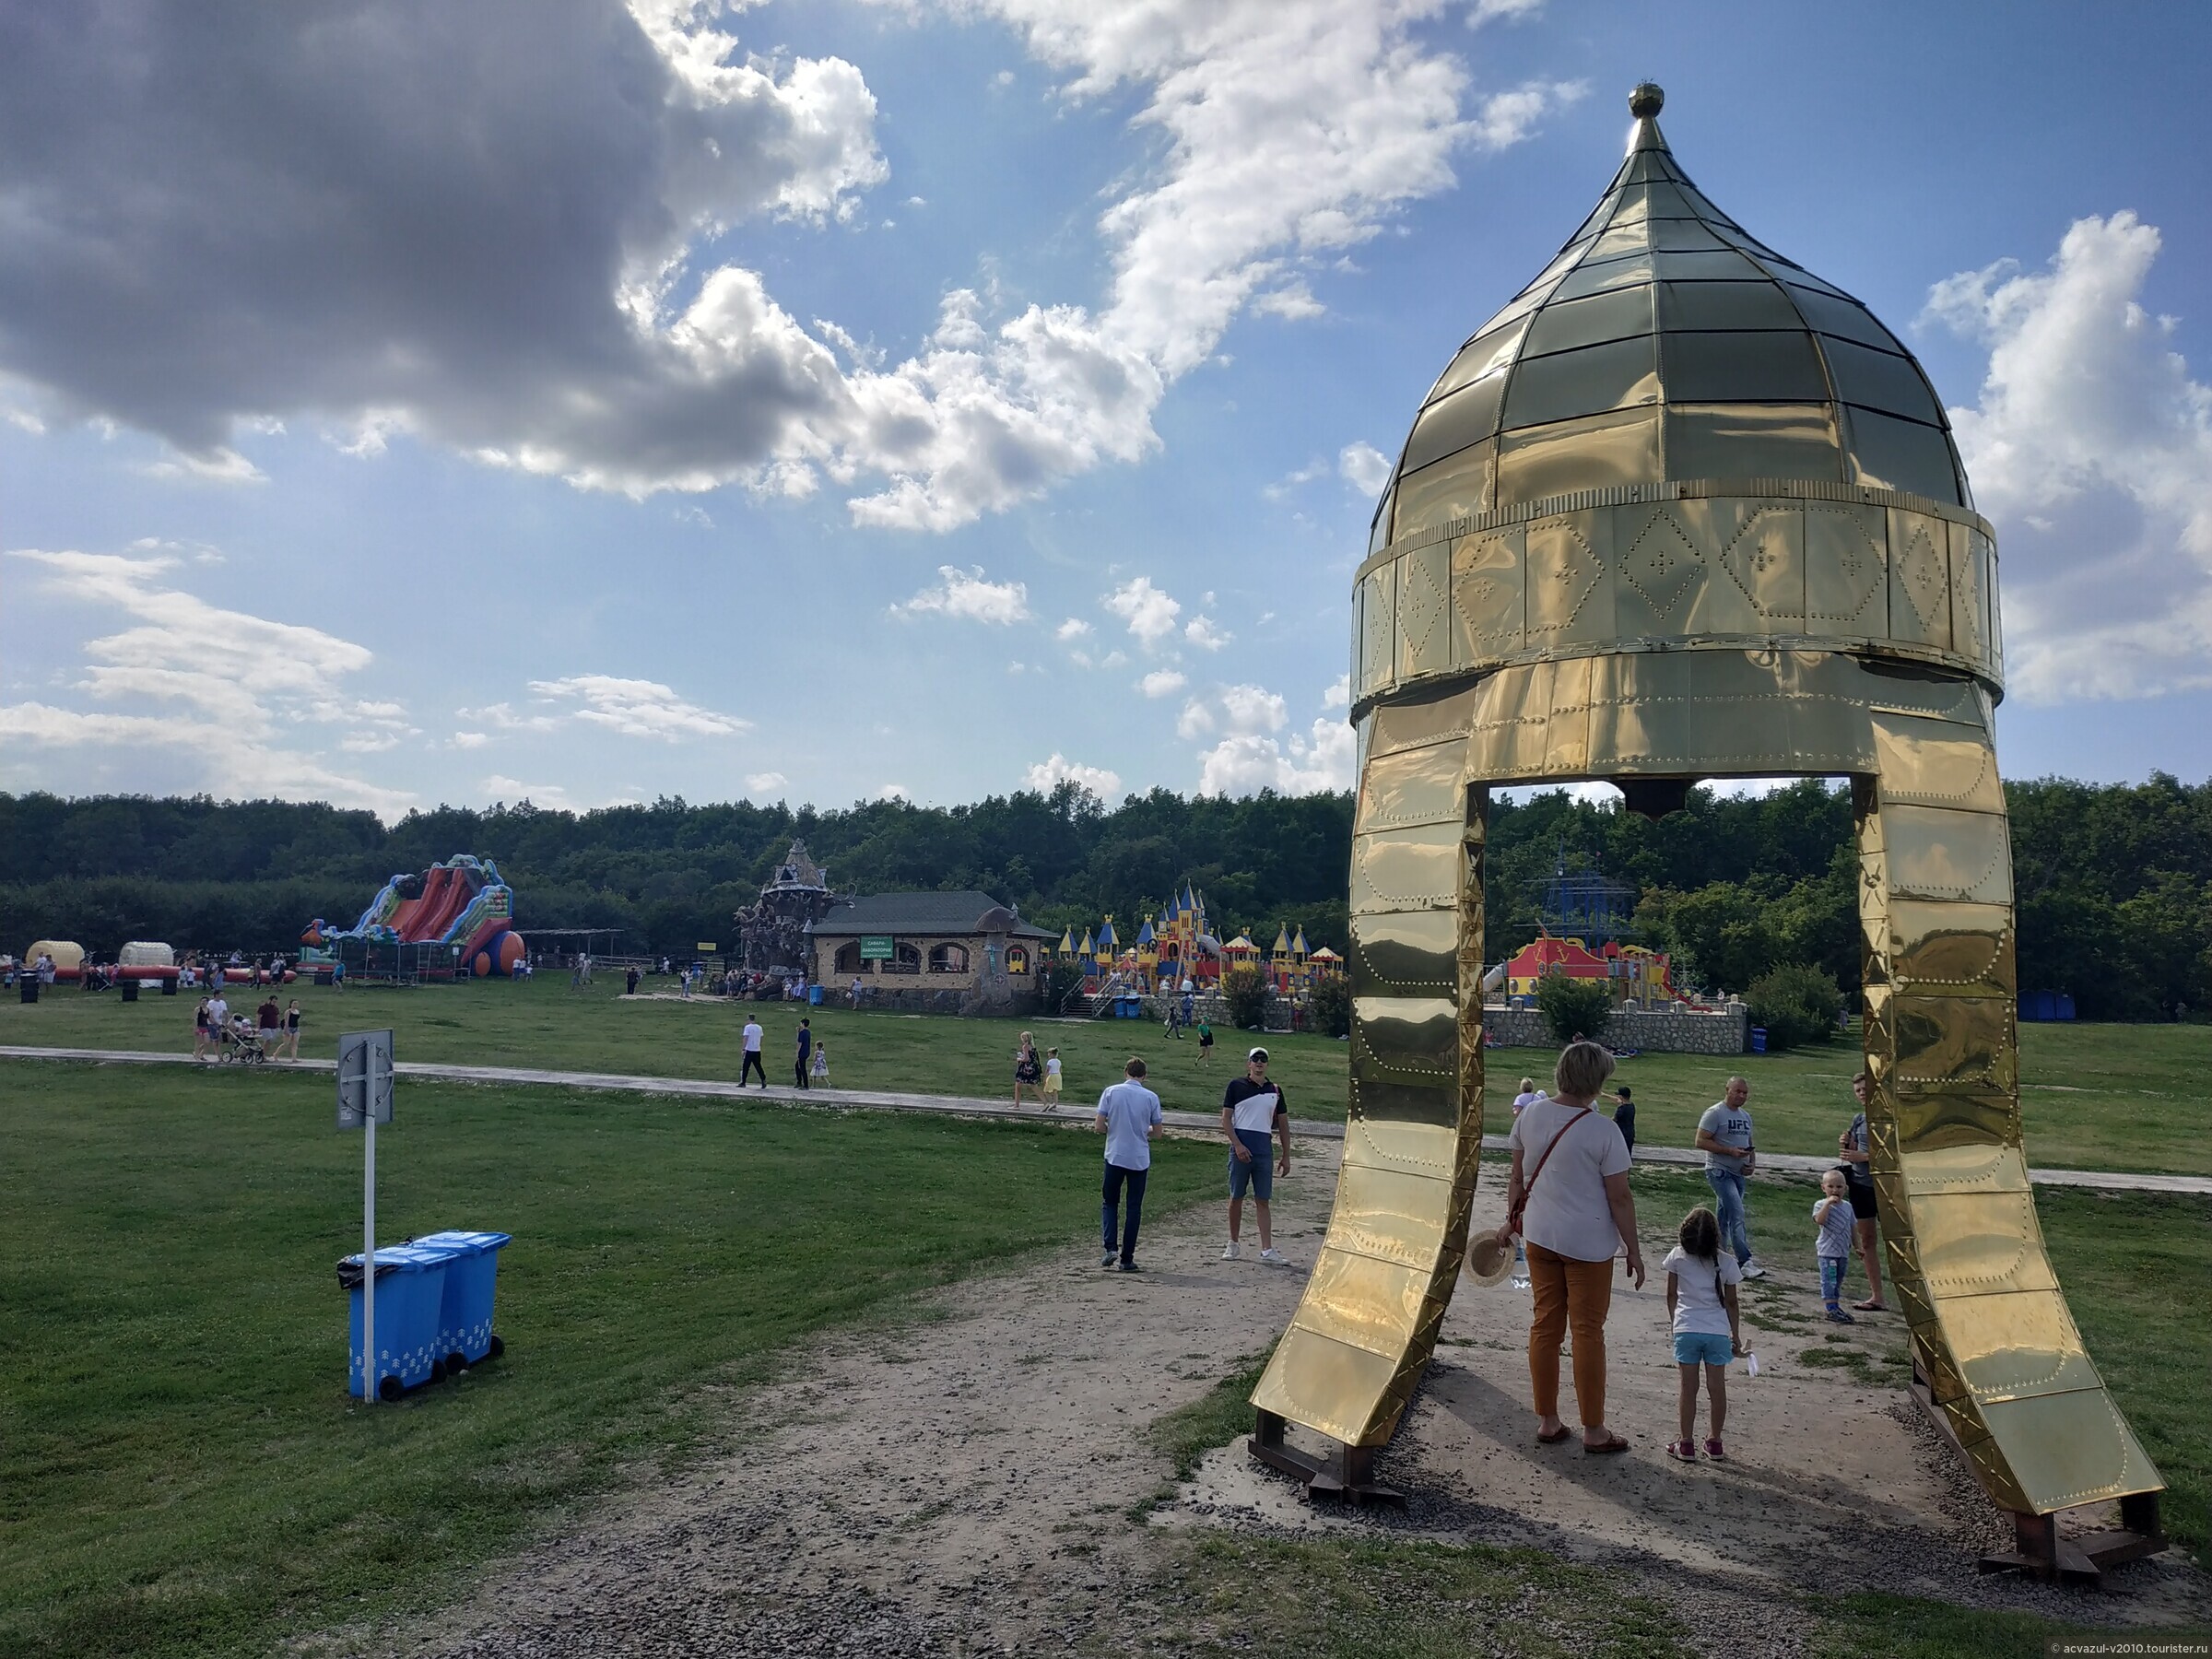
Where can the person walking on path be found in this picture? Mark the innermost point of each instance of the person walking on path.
(291, 1031)
(200, 1033)
(1253, 1112)
(1702, 1298)
(1624, 1117)
(1858, 1175)
(1569, 1199)
(1831, 1215)
(1051, 1079)
(268, 1020)
(1129, 1117)
(806, 1054)
(218, 1023)
(1725, 1136)
(1029, 1070)
(821, 1065)
(752, 1053)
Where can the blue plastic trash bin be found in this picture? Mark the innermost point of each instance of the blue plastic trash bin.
(1759, 1039)
(814, 997)
(465, 1333)
(410, 1295)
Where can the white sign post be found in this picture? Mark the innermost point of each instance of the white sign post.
(364, 1101)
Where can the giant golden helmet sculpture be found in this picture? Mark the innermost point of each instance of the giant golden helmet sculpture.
(1682, 510)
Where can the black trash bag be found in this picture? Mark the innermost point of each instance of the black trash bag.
(350, 1272)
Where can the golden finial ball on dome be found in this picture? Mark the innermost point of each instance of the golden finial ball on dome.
(1645, 99)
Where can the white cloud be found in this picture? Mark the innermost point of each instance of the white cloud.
(966, 595)
(765, 782)
(894, 792)
(1511, 11)
(1048, 775)
(222, 693)
(513, 792)
(1238, 711)
(468, 740)
(2091, 449)
(1161, 682)
(1241, 726)
(597, 342)
(1149, 613)
(1075, 627)
(1203, 633)
(1325, 758)
(1364, 468)
(1339, 694)
(1507, 118)
(636, 708)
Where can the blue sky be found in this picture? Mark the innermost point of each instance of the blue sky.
(412, 404)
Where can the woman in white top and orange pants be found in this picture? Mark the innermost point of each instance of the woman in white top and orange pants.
(1570, 1197)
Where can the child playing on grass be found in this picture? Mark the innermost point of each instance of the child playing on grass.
(1833, 1216)
(1051, 1079)
(1701, 1280)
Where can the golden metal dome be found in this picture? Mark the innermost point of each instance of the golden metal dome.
(1666, 342)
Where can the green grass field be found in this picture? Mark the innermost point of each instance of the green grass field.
(181, 1468)
(2096, 1097)
(182, 1472)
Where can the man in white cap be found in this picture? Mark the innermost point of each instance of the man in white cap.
(1252, 1112)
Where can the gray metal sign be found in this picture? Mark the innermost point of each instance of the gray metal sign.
(364, 1078)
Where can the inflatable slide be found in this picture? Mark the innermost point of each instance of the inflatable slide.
(462, 901)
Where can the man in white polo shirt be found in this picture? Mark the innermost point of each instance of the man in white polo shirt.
(1252, 1112)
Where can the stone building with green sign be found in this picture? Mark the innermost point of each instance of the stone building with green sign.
(949, 953)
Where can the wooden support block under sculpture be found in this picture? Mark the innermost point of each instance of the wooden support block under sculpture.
(1681, 510)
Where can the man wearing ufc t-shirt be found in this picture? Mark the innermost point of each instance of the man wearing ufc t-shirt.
(1253, 1111)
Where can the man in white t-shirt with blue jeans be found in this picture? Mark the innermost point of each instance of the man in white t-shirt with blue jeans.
(1129, 1117)
(1725, 1136)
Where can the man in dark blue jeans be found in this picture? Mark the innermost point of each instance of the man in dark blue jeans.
(1129, 1117)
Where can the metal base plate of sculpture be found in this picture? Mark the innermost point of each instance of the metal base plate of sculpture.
(1682, 510)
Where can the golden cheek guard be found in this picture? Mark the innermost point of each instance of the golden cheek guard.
(1680, 510)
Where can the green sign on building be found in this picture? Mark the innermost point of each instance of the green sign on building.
(875, 948)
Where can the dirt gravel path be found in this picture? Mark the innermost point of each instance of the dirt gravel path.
(963, 1484)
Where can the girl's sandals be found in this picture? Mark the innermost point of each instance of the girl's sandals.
(1553, 1439)
(1684, 1450)
(1605, 1447)
(1871, 1306)
(1712, 1449)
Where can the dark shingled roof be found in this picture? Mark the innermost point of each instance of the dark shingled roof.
(919, 913)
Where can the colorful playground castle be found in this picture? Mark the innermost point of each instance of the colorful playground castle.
(452, 920)
(1178, 944)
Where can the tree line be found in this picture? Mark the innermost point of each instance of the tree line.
(2114, 881)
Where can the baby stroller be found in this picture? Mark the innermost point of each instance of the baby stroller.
(244, 1044)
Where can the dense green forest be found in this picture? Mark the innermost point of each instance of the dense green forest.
(2114, 881)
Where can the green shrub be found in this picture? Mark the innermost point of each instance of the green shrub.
(1329, 1007)
(1574, 1007)
(1797, 1005)
(1245, 990)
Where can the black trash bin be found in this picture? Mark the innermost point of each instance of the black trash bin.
(30, 982)
(169, 984)
(130, 990)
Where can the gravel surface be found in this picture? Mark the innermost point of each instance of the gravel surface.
(964, 1484)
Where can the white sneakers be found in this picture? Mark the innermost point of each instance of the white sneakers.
(1274, 1258)
(1753, 1270)
(1108, 1259)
